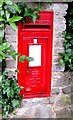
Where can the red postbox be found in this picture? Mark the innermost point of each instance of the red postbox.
(35, 40)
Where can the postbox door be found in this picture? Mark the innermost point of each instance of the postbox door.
(34, 73)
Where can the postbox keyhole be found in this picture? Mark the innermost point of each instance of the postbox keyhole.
(27, 70)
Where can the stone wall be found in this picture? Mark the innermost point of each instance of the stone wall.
(59, 104)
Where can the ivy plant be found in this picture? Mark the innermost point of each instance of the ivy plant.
(11, 14)
(10, 94)
(67, 56)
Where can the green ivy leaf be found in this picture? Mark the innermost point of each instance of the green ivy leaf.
(16, 8)
(70, 60)
(71, 24)
(40, 7)
(1, 19)
(8, 2)
(1, 33)
(2, 13)
(1, 3)
(21, 88)
(68, 45)
(64, 33)
(21, 58)
(14, 19)
(67, 36)
(7, 15)
(13, 25)
(49, 2)
(8, 92)
(6, 113)
(14, 57)
(2, 26)
(29, 59)
(34, 18)
(71, 11)
(66, 57)
(62, 62)
(0, 78)
(15, 103)
(17, 70)
(14, 113)
(60, 54)
(68, 51)
(3, 55)
(1, 58)
(17, 54)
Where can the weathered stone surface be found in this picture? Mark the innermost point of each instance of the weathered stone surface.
(38, 101)
(52, 99)
(63, 101)
(60, 83)
(66, 90)
(10, 63)
(60, 8)
(72, 111)
(9, 30)
(55, 91)
(71, 89)
(63, 113)
(45, 111)
(11, 72)
(11, 38)
(71, 98)
(57, 67)
(58, 50)
(32, 102)
(58, 75)
(56, 59)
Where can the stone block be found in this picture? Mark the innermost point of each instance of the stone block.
(58, 50)
(71, 98)
(52, 99)
(58, 75)
(63, 101)
(72, 111)
(59, 42)
(67, 90)
(56, 59)
(59, 34)
(11, 72)
(71, 89)
(44, 111)
(11, 38)
(9, 30)
(60, 82)
(33, 102)
(55, 91)
(10, 63)
(35, 111)
(63, 113)
(57, 67)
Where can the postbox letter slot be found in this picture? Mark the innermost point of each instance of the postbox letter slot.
(37, 26)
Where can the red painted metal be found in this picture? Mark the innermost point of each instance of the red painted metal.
(36, 80)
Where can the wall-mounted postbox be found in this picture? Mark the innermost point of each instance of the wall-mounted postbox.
(35, 40)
